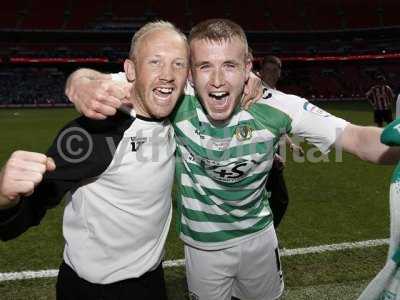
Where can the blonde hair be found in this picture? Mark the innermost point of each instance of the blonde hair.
(150, 27)
(218, 30)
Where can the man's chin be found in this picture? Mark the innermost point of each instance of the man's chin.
(219, 117)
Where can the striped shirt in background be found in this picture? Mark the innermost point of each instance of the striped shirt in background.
(381, 97)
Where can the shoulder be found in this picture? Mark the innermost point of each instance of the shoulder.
(287, 104)
(117, 123)
(83, 148)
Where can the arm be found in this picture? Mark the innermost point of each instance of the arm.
(19, 176)
(391, 95)
(95, 94)
(28, 189)
(293, 147)
(364, 142)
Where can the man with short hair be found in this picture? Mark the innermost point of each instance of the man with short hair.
(271, 69)
(398, 107)
(279, 197)
(118, 209)
(381, 98)
(224, 155)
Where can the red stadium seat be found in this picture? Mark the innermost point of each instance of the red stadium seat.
(129, 9)
(9, 13)
(175, 13)
(323, 16)
(45, 14)
(391, 10)
(84, 13)
(355, 18)
(251, 15)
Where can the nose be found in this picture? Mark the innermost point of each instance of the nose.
(217, 78)
(167, 73)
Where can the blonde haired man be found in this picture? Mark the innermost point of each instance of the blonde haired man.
(119, 180)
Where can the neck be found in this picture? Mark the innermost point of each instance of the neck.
(138, 105)
(219, 123)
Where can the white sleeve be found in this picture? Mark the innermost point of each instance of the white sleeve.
(398, 106)
(315, 125)
(121, 76)
(318, 127)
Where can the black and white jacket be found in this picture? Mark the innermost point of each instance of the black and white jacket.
(118, 175)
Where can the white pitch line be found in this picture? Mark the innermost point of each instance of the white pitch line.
(181, 262)
(334, 247)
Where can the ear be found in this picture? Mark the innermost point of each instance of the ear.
(248, 67)
(129, 68)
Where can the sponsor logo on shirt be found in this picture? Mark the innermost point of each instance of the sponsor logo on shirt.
(315, 110)
(136, 142)
(229, 172)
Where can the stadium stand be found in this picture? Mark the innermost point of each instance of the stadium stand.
(74, 31)
(32, 86)
(52, 10)
(262, 15)
(83, 14)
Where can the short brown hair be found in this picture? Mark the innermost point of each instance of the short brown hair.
(218, 30)
(270, 59)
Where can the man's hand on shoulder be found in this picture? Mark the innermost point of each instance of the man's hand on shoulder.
(21, 174)
(253, 91)
(96, 95)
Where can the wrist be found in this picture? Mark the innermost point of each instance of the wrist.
(6, 203)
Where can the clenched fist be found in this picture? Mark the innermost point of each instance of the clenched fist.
(21, 173)
(96, 95)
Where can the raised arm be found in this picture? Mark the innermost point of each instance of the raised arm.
(365, 143)
(95, 94)
(21, 174)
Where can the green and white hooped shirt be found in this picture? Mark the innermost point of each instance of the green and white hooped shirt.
(221, 171)
(386, 284)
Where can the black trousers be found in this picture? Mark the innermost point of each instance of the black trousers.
(150, 286)
(381, 116)
(279, 198)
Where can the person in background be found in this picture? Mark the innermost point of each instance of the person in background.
(398, 106)
(276, 186)
(381, 98)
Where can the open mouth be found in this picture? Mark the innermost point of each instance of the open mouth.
(163, 92)
(220, 99)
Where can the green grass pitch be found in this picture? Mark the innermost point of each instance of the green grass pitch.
(330, 202)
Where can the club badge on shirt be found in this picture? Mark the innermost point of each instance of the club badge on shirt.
(243, 132)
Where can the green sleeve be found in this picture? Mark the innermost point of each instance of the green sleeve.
(391, 134)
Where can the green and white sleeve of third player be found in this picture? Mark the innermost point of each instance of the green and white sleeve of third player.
(386, 284)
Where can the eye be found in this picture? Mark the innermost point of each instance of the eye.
(154, 62)
(230, 66)
(205, 67)
(180, 64)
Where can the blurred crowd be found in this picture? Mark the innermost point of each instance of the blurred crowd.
(33, 86)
